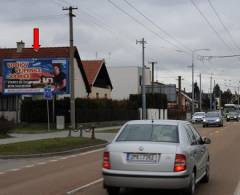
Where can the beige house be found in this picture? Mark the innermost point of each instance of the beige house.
(98, 79)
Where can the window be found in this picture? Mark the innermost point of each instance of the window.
(191, 136)
(149, 132)
(97, 95)
(105, 95)
(196, 134)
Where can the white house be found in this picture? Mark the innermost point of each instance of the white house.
(126, 80)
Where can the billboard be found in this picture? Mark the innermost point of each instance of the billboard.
(31, 75)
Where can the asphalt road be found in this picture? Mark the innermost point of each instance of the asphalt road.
(81, 174)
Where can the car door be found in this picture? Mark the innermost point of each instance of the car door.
(203, 152)
(195, 152)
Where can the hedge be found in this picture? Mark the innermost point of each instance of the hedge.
(87, 110)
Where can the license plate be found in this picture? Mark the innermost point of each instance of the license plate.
(143, 157)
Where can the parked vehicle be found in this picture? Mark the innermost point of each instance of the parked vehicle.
(233, 116)
(213, 119)
(198, 117)
(163, 154)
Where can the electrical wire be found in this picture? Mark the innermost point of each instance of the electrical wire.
(211, 26)
(222, 23)
(144, 26)
(157, 26)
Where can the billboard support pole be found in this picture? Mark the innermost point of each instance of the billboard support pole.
(48, 115)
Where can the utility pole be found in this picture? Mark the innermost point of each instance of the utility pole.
(200, 98)
(153, 63)
(71, 65)
(143, 42)
(179, 95)
(214, 98)
(211, 93)
(193, 95)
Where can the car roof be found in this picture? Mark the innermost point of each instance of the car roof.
(159, 122)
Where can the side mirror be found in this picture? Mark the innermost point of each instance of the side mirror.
(206, 140)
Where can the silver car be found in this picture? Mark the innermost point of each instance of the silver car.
(198, 117)
(213, 119)
(156, 154)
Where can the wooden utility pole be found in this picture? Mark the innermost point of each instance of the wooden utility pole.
(144, 113)
(71, 66)
(200, 95)
(153, 63)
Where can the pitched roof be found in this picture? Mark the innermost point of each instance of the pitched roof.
(30, 53)
(92, 68)
(45, 52)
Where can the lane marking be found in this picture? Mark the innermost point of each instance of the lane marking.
(12, 170)
(41, 163)
(85, 186)
(237, 190)
(216, 131)
(53, 160)
(29, 166)
(1, 173)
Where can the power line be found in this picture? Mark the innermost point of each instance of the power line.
(95, 20)
(143, 25)
(210, 25)
(222, 23)
(157, 26)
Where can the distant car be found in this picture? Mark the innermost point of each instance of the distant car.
(159, 154)
(213, 119)
(198, 117)
(233, 116)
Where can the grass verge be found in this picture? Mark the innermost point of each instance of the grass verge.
(33, 128)
(108, 131)
(47, 145)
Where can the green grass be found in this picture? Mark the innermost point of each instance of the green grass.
(108, 131)
(32, 128)
(4, 136)
(47, 145)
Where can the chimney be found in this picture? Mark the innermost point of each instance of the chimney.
(20, 46)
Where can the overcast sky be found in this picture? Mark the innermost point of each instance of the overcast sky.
(101, 28)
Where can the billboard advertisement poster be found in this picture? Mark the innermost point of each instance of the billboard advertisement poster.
(32, 75)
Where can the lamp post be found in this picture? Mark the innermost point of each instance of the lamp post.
(193, 95)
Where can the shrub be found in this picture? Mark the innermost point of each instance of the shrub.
(5, 126)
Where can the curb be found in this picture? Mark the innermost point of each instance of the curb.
(73, 151)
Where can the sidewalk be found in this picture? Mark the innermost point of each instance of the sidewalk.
(17, 137)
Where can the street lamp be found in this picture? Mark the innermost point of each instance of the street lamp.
(193, 56)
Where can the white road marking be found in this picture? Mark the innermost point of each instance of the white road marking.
(29, 166)
(92, 151)
(41, 163)
(64, 158)
(1, 173)
(216, 131)
(237, 191)
(14, 170)
(53, 160)
(85, 186)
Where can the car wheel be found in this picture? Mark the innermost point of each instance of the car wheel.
(113, 190)
(206, 177)
(204, 126)
(192, 185)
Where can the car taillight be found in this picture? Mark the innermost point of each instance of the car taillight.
(180, 163)
(106, 160)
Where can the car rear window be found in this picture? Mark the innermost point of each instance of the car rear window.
(212, 114)
(149, 132)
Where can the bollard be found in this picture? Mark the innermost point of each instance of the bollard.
(93, 132)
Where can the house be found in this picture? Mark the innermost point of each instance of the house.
(127, 80)
(98, 78)
(8, 103)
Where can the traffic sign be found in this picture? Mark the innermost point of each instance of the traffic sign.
(48, 93)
